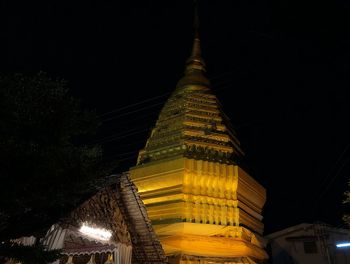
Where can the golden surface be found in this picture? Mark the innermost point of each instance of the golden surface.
(196, 205)
(204, 245)
(203, 206)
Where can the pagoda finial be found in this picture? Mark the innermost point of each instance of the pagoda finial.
(195, 61)
(196, 20)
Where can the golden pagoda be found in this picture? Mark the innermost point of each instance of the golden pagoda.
(204, 207)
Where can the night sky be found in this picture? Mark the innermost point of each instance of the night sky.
(281, 70)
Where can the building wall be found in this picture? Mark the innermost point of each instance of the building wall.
(308, 244)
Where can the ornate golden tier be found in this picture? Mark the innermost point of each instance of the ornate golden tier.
(192, 124)
(195, 204)
(204, 207)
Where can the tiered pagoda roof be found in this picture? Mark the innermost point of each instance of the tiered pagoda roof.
(192, 123)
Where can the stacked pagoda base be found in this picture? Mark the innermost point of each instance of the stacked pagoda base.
(205, 243)
(203, 211)
(186, 259)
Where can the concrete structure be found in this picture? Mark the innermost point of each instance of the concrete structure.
(309, 243)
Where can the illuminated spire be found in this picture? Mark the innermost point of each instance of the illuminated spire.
(195, 61)
(190, 178)
(195, 65)
(192, 123)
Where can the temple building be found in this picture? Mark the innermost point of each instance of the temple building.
(111, 227)
(204, 207)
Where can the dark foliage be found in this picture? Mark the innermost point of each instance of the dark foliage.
(36, 254)
(45, 169)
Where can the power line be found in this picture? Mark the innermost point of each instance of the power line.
(134, 104)
(150, 106)
(127, 158)
(333, 178)
(145, 117)
(218, 89)
(132, 112)
(126, 132)
(218, 76)
(134, 156)
(336, 163)
(121, 146)
(335, 175)
(120, 137)
(125, 153)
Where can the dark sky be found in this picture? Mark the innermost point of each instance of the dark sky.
(280, 69)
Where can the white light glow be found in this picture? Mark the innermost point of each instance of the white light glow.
(97, 233)
(347, 244)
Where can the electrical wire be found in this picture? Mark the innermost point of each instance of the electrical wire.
(134, 104)
(148, 107)
(131, 112)
(154, 98)
(337, 172)
(336, 163)
(126, 132)
(121, 137)
(333, 179)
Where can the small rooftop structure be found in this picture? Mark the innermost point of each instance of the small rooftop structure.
(309, 243)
